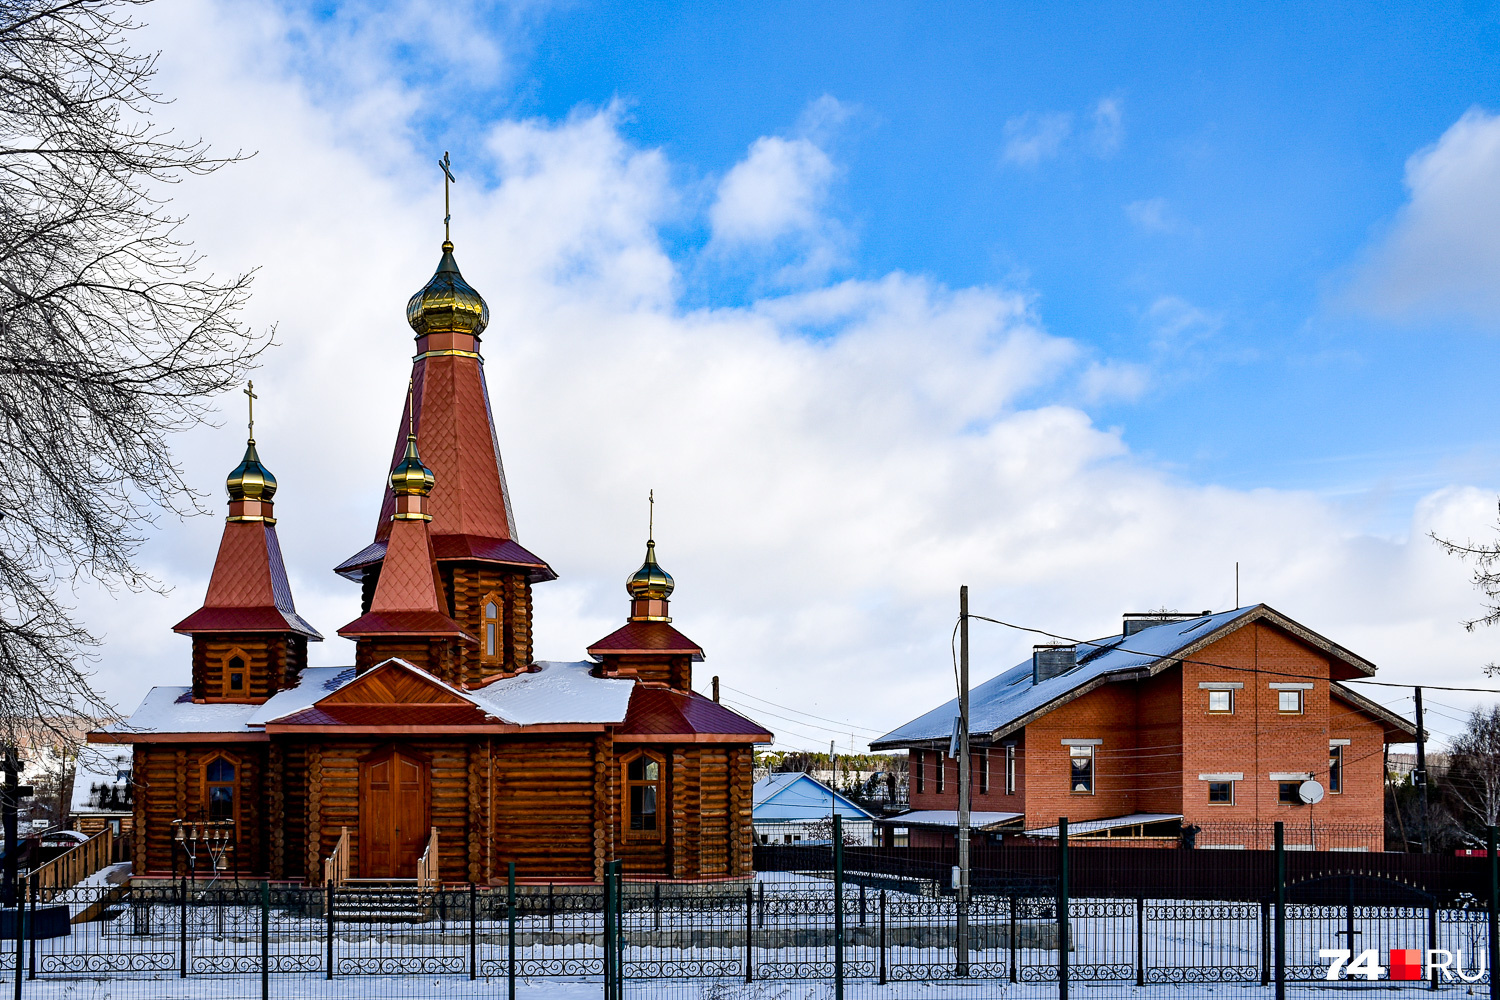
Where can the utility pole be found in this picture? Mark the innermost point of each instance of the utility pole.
(963, 783)
(1420, 775)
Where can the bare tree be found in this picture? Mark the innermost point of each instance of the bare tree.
(110, 337)
(1486, 577)
(1473, 778)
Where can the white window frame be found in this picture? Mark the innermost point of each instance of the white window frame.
(1010, 769)
(1295, 696)
(1079, 750)
(1227, 695)
(1336, 749)
(984, 770)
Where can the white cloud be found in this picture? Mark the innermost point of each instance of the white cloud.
(829, 465)
(1109, 127)
(1441, 256)
(1030, 139)
(1109, 381)
(776, 190)
(1177, 324)
(1151, 215)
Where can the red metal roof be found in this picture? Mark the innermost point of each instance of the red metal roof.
(248, 591)
(470, 505)
(662, 712)
(408, 598)
(324, 714)
(453, 548)
(646, 638)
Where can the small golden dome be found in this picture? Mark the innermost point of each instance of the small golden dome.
(250, 480)
(448, 303)
(410, 477)
(650, 582)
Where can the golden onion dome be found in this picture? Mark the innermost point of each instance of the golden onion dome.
(448, 303)
(650, 582)
(410, 477)
(250, 480)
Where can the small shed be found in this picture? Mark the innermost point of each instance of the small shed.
(794, 808)
(102, 792)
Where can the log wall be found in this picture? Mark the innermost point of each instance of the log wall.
(273, 662)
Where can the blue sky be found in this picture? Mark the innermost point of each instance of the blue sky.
(1221, 170)
(1078, 305)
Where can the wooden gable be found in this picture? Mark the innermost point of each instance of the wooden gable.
(394, 683)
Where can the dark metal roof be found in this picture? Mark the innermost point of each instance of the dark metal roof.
(457, 548)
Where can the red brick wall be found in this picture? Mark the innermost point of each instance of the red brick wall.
(1109, 714)
(993, 800)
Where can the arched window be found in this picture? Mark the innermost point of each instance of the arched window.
(492, 647)
(236, 675)
(644, 802)
(221, 788)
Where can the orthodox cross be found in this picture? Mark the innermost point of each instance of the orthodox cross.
(411, 408)
(251, 397)
(448, 179)
(651, 516)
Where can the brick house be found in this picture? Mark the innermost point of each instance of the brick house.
(1184, 727)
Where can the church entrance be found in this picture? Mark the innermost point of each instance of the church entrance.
(393, 813)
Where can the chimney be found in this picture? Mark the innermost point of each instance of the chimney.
(1048, 661)
(1135, 621)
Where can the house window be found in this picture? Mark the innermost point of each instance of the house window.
(984, 771)
(1289, 702)
(900, 836)
(1010, 770)
(221, 788)
(1221, 702)
(1286, 792)
(1081, 770)
(917, 758)
(643, 796)
(1221, 793)
(940, 769)
(1336, 768)
(491, 629)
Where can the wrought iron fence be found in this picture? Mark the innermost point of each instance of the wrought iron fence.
(779, 937)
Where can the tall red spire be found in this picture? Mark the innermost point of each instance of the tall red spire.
(449, 408)
(248, 591)
(408, 599)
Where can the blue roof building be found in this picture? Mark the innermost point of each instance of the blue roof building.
(793, 808)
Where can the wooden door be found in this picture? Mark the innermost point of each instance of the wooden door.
(393, 814)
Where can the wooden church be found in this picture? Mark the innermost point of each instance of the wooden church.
(445, 746)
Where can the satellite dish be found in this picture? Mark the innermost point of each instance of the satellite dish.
(1310, 792)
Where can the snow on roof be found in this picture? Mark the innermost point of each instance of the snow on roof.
(99, 768)
(171, 709)
(556, 692)
(794, 795)
(1002, 700)
(949, 818)
(1098, 825)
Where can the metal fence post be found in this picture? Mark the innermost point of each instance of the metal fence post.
(1494, 914)
(1281, 911)
(749, 926)
(265, 940)
(510, 929)
(1140, 941)
(882, 939)
(1265, 943)
(182, 921)
(1431, 941)
(31, 963)
(619, 930)
(473, 931)
(609, 932)
(328, 919)
(1014, 947)
(1062, 908)
(20, 928)
(838, 907)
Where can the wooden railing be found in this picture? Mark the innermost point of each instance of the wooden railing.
(336, 866)
(73, 866)
(428, 879)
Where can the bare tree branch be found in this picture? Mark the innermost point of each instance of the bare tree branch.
(111, 337)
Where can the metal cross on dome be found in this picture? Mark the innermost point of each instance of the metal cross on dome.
(251, 397)
(448, 179)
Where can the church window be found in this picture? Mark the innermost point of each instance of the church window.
(643, 797)
(221, 788)
(491, 629)
(236, 682)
